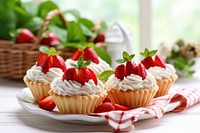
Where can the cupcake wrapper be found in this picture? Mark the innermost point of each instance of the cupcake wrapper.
(77, 104)
(38, 89)
(164, 85)
(132, 99)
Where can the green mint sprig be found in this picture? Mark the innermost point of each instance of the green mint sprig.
(126, 57)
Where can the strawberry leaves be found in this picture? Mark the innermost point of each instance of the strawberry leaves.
(52, 51)
(148, 53)
(81, 63)
(126, 57)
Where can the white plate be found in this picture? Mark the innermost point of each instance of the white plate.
(25, 99)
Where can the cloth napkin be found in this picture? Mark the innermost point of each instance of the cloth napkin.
(122, 120)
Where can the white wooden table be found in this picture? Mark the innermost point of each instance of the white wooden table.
(15, 119)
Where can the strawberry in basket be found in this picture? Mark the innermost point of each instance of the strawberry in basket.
(48, 67)
(25, 36)
(50, 39)
(165, 74)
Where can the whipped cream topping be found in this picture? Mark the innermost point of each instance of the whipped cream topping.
(72, 88)
(131, 82)
(162, 73)
(97, 68)
(36, 74)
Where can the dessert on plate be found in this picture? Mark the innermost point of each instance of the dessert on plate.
(78, 91)
(97, 64)
(165, 74)
(48, 66)
(131, 85)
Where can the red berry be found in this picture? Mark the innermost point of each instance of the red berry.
(47, 103)
(142, 71)
(70, 74)
(107, 99)
(84, 75)
(59, 62)
(148, 62)
(159, 61)
(75, 56)
(25, 36)
(93, 76)
(90, 54)
(104, 107)
(120, 107)
(131, 68)
(100, 38)
(51, 39)
(120, 71)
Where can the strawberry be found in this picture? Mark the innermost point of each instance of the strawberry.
(49, 58)
(90, 54)
(142, 71)
(120, 71)
(107, 99)
(70, 74)
(120, 107)
(59, 62)
(159, 61)
(75, 56)
(100, 37)
(148, 61)
(80, 73)
(50, 39)
(47, 103)
(131, 67)
(25, 36)
(104, 107)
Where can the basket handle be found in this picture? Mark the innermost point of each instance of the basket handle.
(47, 20)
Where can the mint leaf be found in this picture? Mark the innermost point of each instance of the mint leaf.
(44, 49)
(120, 60)
(87, 63)
(74, 65)
(152, 53)
(105, 75)
(80, 62)
(125, 55)
(148, 53)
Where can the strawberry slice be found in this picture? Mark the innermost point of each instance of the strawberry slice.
(120, 71)
(159, 61)
(59, 62)
(142, 71)
(25, 36)
(41, 59)
(47, 103)
(148, 62)
(90, 54)
(93, 76)
(70, 74)
(120, 107)
(84, 75)
(131, 68)
(104, 107)
(75, 56)
(47, 64)
(107, 99)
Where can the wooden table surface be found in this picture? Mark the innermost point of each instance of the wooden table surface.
(15, 119)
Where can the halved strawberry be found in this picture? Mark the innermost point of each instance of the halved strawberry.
(59, 62)
(120, 107)
(142, 71)
(47, 103)
(90, 54)
(25, 36)
(47, 64)
(104, 107)
(107, 99)
(84, 75)
(41, 59)
(159, 61)
(70, 74)
(93, 76)
(131, 68)
(148, 62)
(75, 56)
(120, 71)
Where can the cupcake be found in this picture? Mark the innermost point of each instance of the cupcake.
(165, 74)
(97, 64)
(78, 91)
(131, 85)
(48, 66)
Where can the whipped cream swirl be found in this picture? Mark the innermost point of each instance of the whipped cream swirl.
(72, 88)
(36, 74)
(162, 73)
(97, 68)
(131, 82)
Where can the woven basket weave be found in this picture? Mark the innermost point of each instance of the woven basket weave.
(16, 59)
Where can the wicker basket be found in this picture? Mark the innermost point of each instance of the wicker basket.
(16, 59)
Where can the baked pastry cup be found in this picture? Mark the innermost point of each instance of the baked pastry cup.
(38, 89)
(133, 98)
(77, 104)
(164, 85)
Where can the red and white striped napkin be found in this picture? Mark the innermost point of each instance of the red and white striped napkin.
(122, 120)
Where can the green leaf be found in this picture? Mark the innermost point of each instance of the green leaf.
(75, 33)
(191, 63)
(86, 30)
(87, 63)
(74, 65)
(86, 22)
(148, 53)
(105, 75)
(75, 13)
(34, 24)
(44, 49)
(60, 32)
(152, 53)
(31, 8)
(120, 60)
(51, 51)
(81, 62)
(125, 55)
